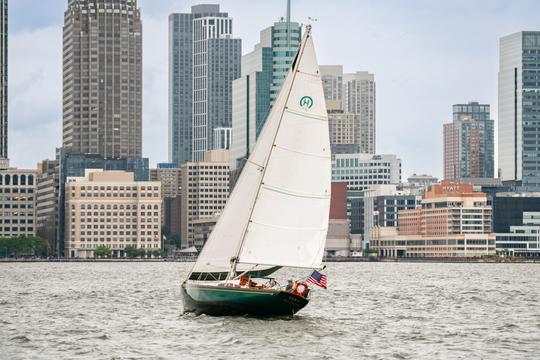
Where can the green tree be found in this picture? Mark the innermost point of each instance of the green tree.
(24, 246)
(141, 252)
(157, 253)
(131, 251)
(102, 251)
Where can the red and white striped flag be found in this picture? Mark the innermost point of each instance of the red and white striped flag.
(318, 279)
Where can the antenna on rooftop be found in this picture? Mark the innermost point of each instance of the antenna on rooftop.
(288, 25)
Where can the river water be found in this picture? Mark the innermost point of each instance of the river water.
(371, 310)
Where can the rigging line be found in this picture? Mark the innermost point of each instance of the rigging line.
(309, 116)
(289, 227)
(303, 152)
(295, 193)
(317, 75)
(294, 70)
(254, 163)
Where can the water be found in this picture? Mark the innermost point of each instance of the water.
(372, 310)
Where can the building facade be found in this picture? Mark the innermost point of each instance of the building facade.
(378, 206)
(333, 86)
(468, 143)
(422, 180)
(509, 207)
(205, 189)
(17, 202)
(519, 106)
(110, 208)
(522, 240)
(362, 171)
(204, 59)
(344, 128)
(222, 138)
(102, 72)
(180, 87)
(452, 221)
(355, 94)
(4, 79)
(339, 242)
(170, 177)
(360, 99)
(47, 197)
(202, 228)
(263, 71)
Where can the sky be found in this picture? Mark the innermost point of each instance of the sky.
(426, 55)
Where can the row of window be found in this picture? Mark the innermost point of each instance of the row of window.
(15, 229)
(14, 179)
(115, 207)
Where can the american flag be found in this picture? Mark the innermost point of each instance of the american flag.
(318, 279)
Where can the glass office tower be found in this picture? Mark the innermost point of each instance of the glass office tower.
(519, 109)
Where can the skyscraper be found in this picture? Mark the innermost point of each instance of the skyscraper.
(519, 109)
(3, 79)
(102, 107)
(204, 59)
(332, 79)
(468, 143)
(356, 93)
(359, 98)
(263, 72)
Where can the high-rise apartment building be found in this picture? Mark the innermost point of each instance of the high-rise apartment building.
(3, 79)
(110, 208)
(204, 59)
(102, 106)
(468, 143)
(263, 72)
(205, 189)
(357, 94)
(519, 109)
(360, 99)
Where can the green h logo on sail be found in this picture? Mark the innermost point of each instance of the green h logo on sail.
(306, 102)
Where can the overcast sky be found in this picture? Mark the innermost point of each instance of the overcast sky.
(426, 55)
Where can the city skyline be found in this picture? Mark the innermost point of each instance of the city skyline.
(470, 69)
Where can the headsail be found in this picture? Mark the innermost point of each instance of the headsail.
(277, 213)
(289, 222)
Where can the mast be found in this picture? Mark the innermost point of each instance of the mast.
(294, 64)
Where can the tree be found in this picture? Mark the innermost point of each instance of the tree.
(102, 251)
(157, 253)
(131, 251)
(24, 246)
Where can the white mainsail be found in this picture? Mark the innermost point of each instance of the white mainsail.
(277, 214)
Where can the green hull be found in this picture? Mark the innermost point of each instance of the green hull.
(220, 300)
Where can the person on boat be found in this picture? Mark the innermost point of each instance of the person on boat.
(290, 284)
(244, 280)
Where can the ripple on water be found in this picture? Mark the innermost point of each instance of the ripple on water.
(372, 310)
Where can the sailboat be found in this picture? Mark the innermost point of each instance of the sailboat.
(277, 214)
